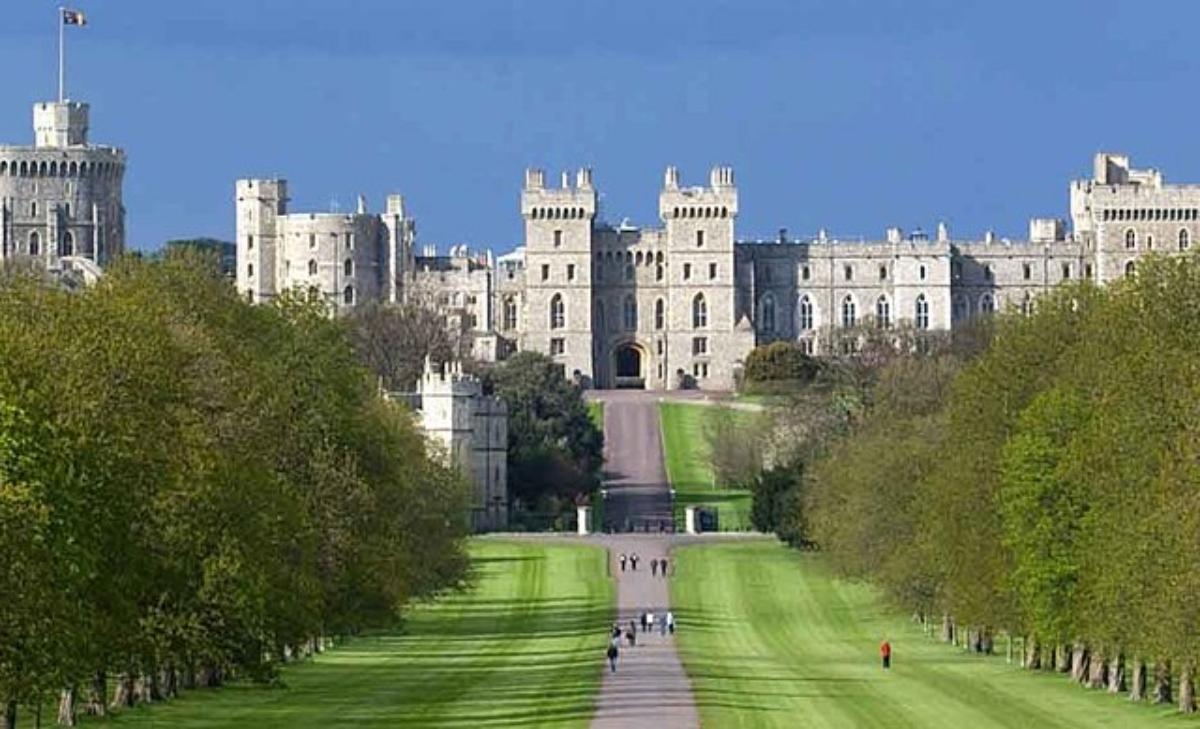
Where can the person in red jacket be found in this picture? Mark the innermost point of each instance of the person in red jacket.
(885, 652)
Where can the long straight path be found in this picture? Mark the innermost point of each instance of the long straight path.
(649, 688)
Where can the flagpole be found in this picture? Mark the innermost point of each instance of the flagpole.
(62, 75)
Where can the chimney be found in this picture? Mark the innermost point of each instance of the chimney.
(671, 178)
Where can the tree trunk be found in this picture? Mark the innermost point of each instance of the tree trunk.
(188, 680)
(986, 641)
(1097, 670)
(168, 682)
(1162, 682)
(66, 707)
(1187, 690)
(1116, 674)
(947, 629)
(1062, 658)
(1137, 691)
(1079, 662)
(126, 694)
(1032, 653)
(10, 715)
(1008, 648)
(97, 701)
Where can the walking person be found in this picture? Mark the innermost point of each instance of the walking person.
(612, 654)
(622, 559)
(662, 565)
(885, 653)
(644, 614)
(633, 629)
(662, 627)
(631, 638)
(633, 560)
(654, 568)
(616, 630)
(650, 622)
(671, 622)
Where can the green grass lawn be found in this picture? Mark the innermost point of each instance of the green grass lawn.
(689, 469)
(524, 647)
(596, 413)
(771, 640)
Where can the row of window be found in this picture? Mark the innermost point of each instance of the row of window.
(66, 244)
(700, 212)
(313, 268)
(629, 313)
(558, 213)
(558, 345)
(1183, 240)
(807, 310)
(1149, 214)
(103, 170)
(631, 272)
(847, 273)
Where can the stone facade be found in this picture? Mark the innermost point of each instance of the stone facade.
(682, 303)
(471, 429)
(61, 199)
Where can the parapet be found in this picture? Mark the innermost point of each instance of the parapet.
(60, 124)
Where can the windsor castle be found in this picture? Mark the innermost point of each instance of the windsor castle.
(680, 304)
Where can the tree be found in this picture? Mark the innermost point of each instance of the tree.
(393, 341)
(778, 367)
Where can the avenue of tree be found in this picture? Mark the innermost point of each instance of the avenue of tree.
(1036, 478)
(193, 488)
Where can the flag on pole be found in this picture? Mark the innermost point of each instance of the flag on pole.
(73, 17)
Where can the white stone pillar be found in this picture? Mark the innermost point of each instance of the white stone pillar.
(689, 519)
(584, 516)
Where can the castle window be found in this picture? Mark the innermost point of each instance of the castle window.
(67, 210)
(1066, 271)
(1130, 269)
(33, 209)
(348, 267)
(545, 271)
(558, 346)
(629, 313)
(883, 273)
(312, 268)
(349, 241)
(312, 240)
(1087, 270)
(676, 213)
(922, 312)
(249, 242)
(1026, 305)
(558, 312)
(1131, 239)
(35, 243)
(658, 347)
(883, 313)
(987, 304)
(638, 259)
(849, 312)
(806, 314)
(921, 272)
(1185, 239)
(67, 245)
(658, 273)
(699, 345)
(806, 347)
(687, 271)
(699, 312)
(570, 271)
(724, 212)
(988, 272)
(660, 314)
(699, 238)
(557, 238)
(848, 272)
(348, 296)
(712, 271)
(250, 270)
(768, 313)
(805, 273)
(510, 313)
(1027, 271)
(1149, 242)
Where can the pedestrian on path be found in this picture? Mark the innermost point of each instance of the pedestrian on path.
(885, 652)
(671, 622)
(616, 630)
(662, 565)
(650, 622)
(644, 614)
(622, 558)
(631, 638)
(633, 560)
(662, 627)
(654, 568)
(612, 654)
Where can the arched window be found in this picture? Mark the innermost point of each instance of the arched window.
(33, 209)
(1026, 304)
(987, 304)
(660, 314)
(510, 313)
(1130, 268)
(699, 312)
(67, 246)
(312, 268)
(35, 243)
(922, 312)
(1185, 239)
(629, 313)
(1131, 239)
(558, 312)
(883, 313)
(806, 318)
(849, 312)
(768, 313)
(348, 267)
(348, 296)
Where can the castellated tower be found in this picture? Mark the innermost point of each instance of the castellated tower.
(61, 198)
(558, 275)
(705, 331)
(260, 205)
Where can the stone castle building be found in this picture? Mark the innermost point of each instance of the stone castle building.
(680, 304)
(61, 200)
(472, 430)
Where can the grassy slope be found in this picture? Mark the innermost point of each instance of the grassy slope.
(524, 647)
(770, 640)
(689, 468)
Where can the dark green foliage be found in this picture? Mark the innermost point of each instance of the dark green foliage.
(778, 366)
(554, 447)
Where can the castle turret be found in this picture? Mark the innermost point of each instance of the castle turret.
(260, 204)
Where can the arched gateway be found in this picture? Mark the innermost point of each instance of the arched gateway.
(629, 366)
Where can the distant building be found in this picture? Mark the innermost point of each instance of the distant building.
(61, 199)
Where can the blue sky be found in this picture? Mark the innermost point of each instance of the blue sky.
(847, 115)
